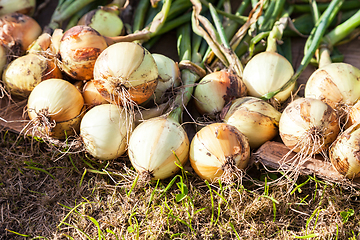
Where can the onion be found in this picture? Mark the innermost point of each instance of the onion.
(79, 48)
(219, 150)
(157, 146)
(217, 89)
(169, 77)
(126, 73)
(105, 20)
(55, 108)
(91, 95)
(24, 73)
(26, 7)
(255, 118)
(354, 115)
(17, 32)
(344, 152)
(337, 84)
(308, 126)
(267, 72)
(104, 130)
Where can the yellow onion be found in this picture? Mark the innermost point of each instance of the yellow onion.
(255, 118)
(55, 105)
(219, 151)
(157, 146)
(126, 72)
(17, 32)
(79, 48)
(24, 73)
(105, 20)
(308, 126)
(344, 152)
(169, 78)
(353, 115)
(26, 7)
(104, 130)
(91, 95)
(217, 89)
(337, 84)
(267, 72)
(3, 58)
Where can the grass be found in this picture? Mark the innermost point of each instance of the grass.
(45, 194)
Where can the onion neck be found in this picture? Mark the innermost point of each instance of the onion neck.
(324, 57)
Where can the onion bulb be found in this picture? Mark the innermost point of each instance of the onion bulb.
(308, 126)
(91, 95)
(217, 89)
(126, 72)
(17, 32)
(344, 152)
(353, 115)
(26, 7)
(169, 77)
(157, 146)
(267, 72)
(255, 118)
(55, 108)
(24, 73)
(105, 20)
(337, 84)
(104, 130)
(79, 48)
(219, 150)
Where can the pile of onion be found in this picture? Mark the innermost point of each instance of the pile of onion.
(255, 118)
(219, 151)
(55, 108)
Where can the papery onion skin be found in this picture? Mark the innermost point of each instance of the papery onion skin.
(217, 89)
(216, 146)
(353, 115)
(337, 84)
(126, 72)
(306, 119)
(344, 153)
(24, 73)
(267, 72)
(91, 95)
(157, 146)
(79, 48)
(104, 130)
(255, 118)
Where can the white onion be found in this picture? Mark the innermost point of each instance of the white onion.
(267, 72)
(255, 118)
(157, 146)
(55, 106)
(26, 7)
(104, 130)
(308, 126)
(91, 95)
(219, 151)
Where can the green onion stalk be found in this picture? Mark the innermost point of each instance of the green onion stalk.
(158, 147)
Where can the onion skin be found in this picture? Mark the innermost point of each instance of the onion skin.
(216, 147)
(344, 153)
(24, 73)
(26, 7)
(91, 95)
(305, 119)
(156, 146)
(126, 67)
(354, 115)
(267, 72)
(104, 130)
(217, 89)
(337, 84)
(79, 48)
(255, 118)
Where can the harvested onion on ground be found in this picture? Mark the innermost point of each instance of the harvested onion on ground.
(217, 89)
(308, 126)
(219, 151)
(105, 130)
(55, 109)
(91, 95)
(24, 73)
(344, 152)
(125, 74)
(255, 118)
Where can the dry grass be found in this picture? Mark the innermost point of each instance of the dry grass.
(45, 194)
